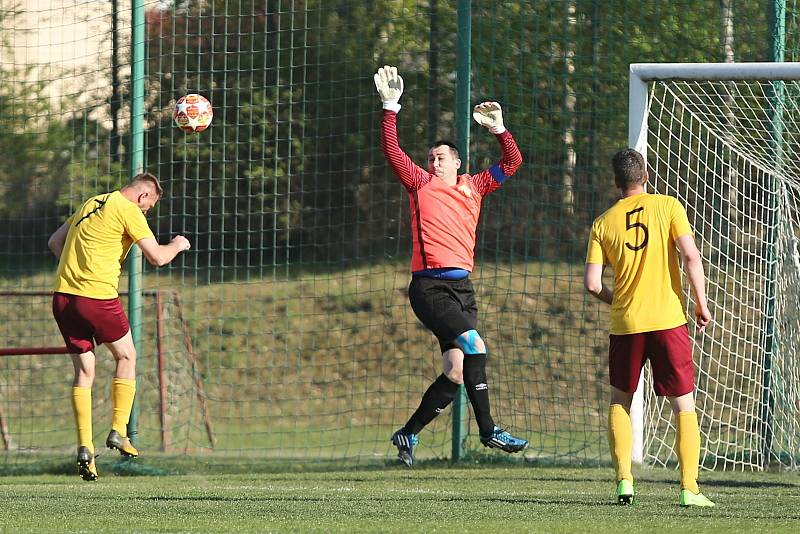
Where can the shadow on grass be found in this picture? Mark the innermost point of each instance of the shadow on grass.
(358, 469)
(155, 465)
(122, 467)
(129, 467)
(748, 484)
(556, 500)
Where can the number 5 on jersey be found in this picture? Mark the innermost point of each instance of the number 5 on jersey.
(633, 226)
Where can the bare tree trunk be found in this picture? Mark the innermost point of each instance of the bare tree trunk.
(433, 69)
(726, 12)
(594, 159)
(116, 100)
(570, 101)
(729, 189)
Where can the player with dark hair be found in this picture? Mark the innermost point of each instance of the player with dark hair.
(91, 246)
(640, 237)
(445, 207)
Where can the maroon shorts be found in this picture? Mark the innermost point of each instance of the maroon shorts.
(83, 320)
(670, 355)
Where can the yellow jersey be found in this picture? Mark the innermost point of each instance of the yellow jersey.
(636, 237)
(100, 235)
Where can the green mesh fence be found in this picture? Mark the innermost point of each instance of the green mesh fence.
(285, 331)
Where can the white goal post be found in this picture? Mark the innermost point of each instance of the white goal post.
(725, 139)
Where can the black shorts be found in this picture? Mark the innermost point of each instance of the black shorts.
(446, 307)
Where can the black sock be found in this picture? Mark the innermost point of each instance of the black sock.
(478, 391)
(439, 395)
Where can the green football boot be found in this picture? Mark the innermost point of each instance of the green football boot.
(687, 498)
(625, 492)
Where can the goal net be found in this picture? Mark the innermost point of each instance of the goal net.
(724, 139)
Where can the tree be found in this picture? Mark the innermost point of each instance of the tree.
(287, 172)
(52, 156)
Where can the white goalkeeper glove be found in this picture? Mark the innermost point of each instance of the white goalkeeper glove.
(490, 116)
(390, 86)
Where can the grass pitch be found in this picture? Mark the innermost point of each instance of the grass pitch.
(424, 499)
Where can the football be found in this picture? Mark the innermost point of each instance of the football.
(192, 113)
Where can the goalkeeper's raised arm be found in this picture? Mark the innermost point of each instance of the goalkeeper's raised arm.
(390, 86)
(490, 116)
(445, 207)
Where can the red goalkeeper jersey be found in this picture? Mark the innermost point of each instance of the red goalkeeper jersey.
(444, 218)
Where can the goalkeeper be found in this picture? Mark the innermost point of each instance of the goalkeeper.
(640, 237)
(91, 246)
(445, 207)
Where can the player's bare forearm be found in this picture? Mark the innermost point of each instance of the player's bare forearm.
(606, 294)
(56, 247)
(697, 283)
(56, 250)
(169, 252)
(593, 282)
(697, 280)
(693, 266)
(160, 255)
(57, 240)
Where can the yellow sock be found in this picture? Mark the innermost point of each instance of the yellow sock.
(689, 450)
(620, 440)
(82, 408)
(122, 393)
